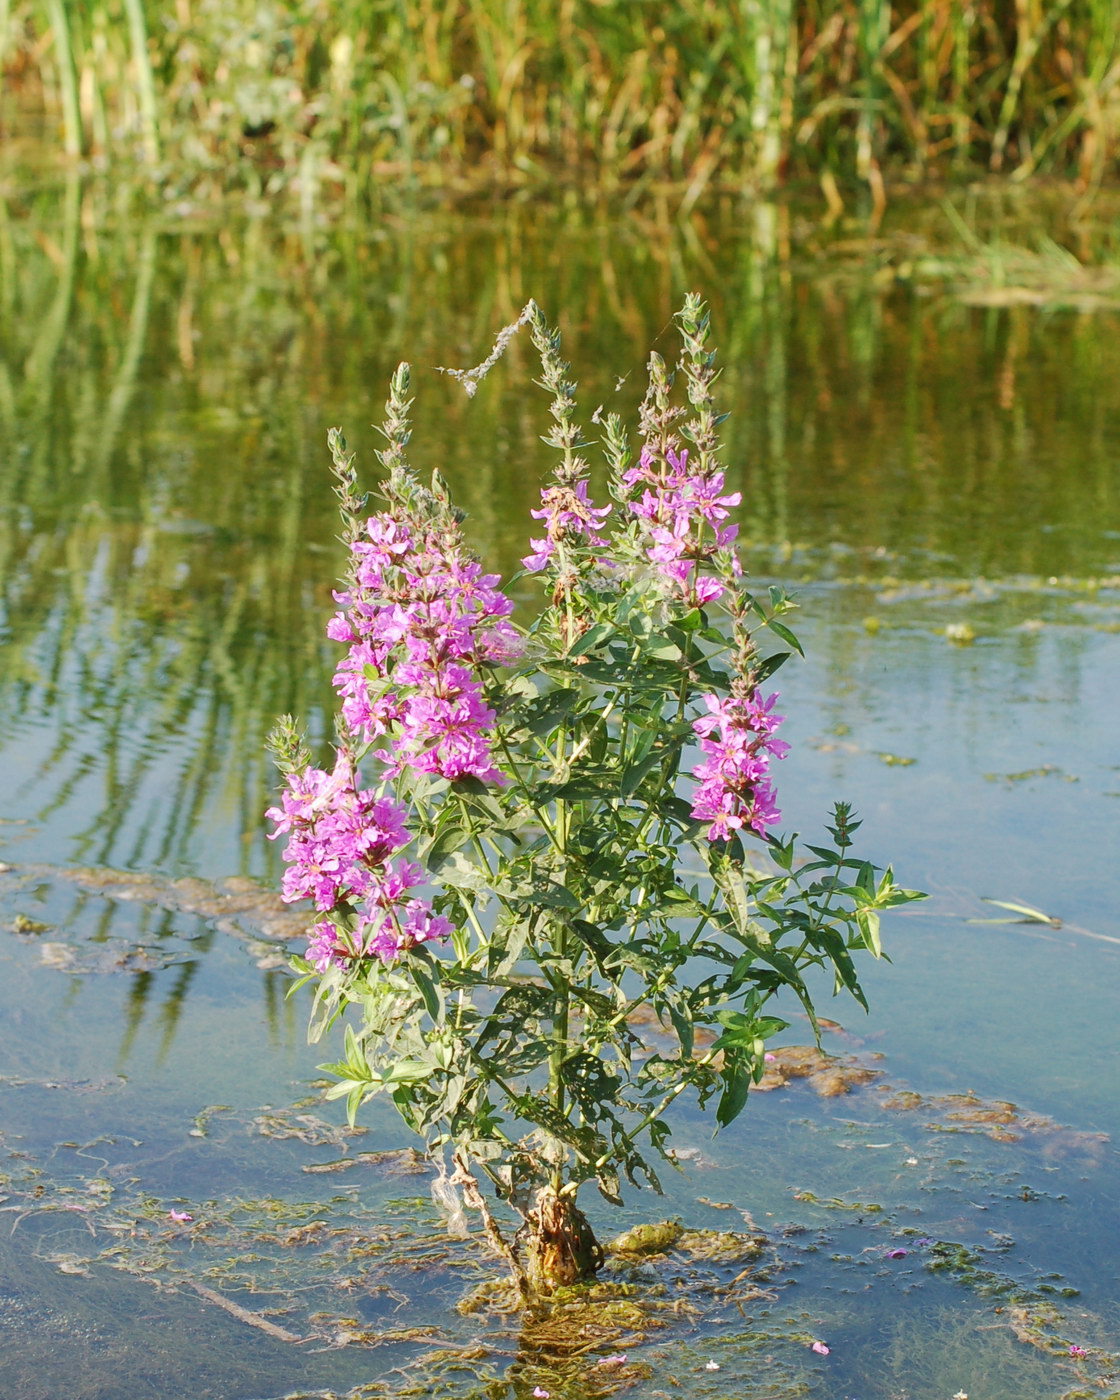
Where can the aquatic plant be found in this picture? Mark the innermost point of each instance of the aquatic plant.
(529, 836)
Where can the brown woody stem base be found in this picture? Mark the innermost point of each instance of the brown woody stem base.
(560, 1246)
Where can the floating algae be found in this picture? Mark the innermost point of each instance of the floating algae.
(648, 1239)
(830, 1075)
(236, 905)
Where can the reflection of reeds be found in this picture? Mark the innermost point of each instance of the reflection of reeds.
(167, 534)
(166, 530)
(694, 92)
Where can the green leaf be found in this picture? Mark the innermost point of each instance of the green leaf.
(684, 1028)
(408, 1072)
(425, 985)
(737, 1086)
(352, 1049)
(354, 1101)
(779, 629)
(593, 937)
(457, 873)
(663, 651)
(766, 667)
(868, 922)
(635, 773)
(692, 621)
(448, 839)
(591, 638)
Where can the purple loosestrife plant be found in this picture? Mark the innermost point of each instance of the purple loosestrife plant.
(532, 838)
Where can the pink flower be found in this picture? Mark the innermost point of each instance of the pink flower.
(539, 1393)
(897, 1253)
(324, 949)
(681, 512)
(820, 1349)
(180, 1217)
(419, 620)
(1075, 1350)
(707, 590)
(734, 790)
(612, 1360)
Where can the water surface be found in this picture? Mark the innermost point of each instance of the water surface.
(916, 467)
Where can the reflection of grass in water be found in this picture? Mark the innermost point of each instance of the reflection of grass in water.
(162, 600)
(166, 537)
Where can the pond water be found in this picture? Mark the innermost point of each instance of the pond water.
(920, 469)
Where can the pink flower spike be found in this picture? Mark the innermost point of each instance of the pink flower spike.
(180, 1217)
(897, 1253)
(820, 1349)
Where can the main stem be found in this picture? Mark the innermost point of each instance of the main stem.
(560, 1022)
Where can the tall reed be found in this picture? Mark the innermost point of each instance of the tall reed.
(262, 93)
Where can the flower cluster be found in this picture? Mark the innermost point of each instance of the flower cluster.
(568, 515)
(340, 846)
(734, 790)
(419, 619)
(683, 511)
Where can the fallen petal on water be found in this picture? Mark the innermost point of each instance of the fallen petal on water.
(822, 1350)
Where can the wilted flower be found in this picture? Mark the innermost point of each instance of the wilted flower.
(569, 516)
(180, 1217)
(821, 1349)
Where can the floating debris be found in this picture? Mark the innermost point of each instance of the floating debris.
(648, 1239)
(24, 925)
(830, 1075)
(236, 904)
(406, 1161)
(304, 1127)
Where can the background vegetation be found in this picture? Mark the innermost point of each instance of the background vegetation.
(361, 94)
